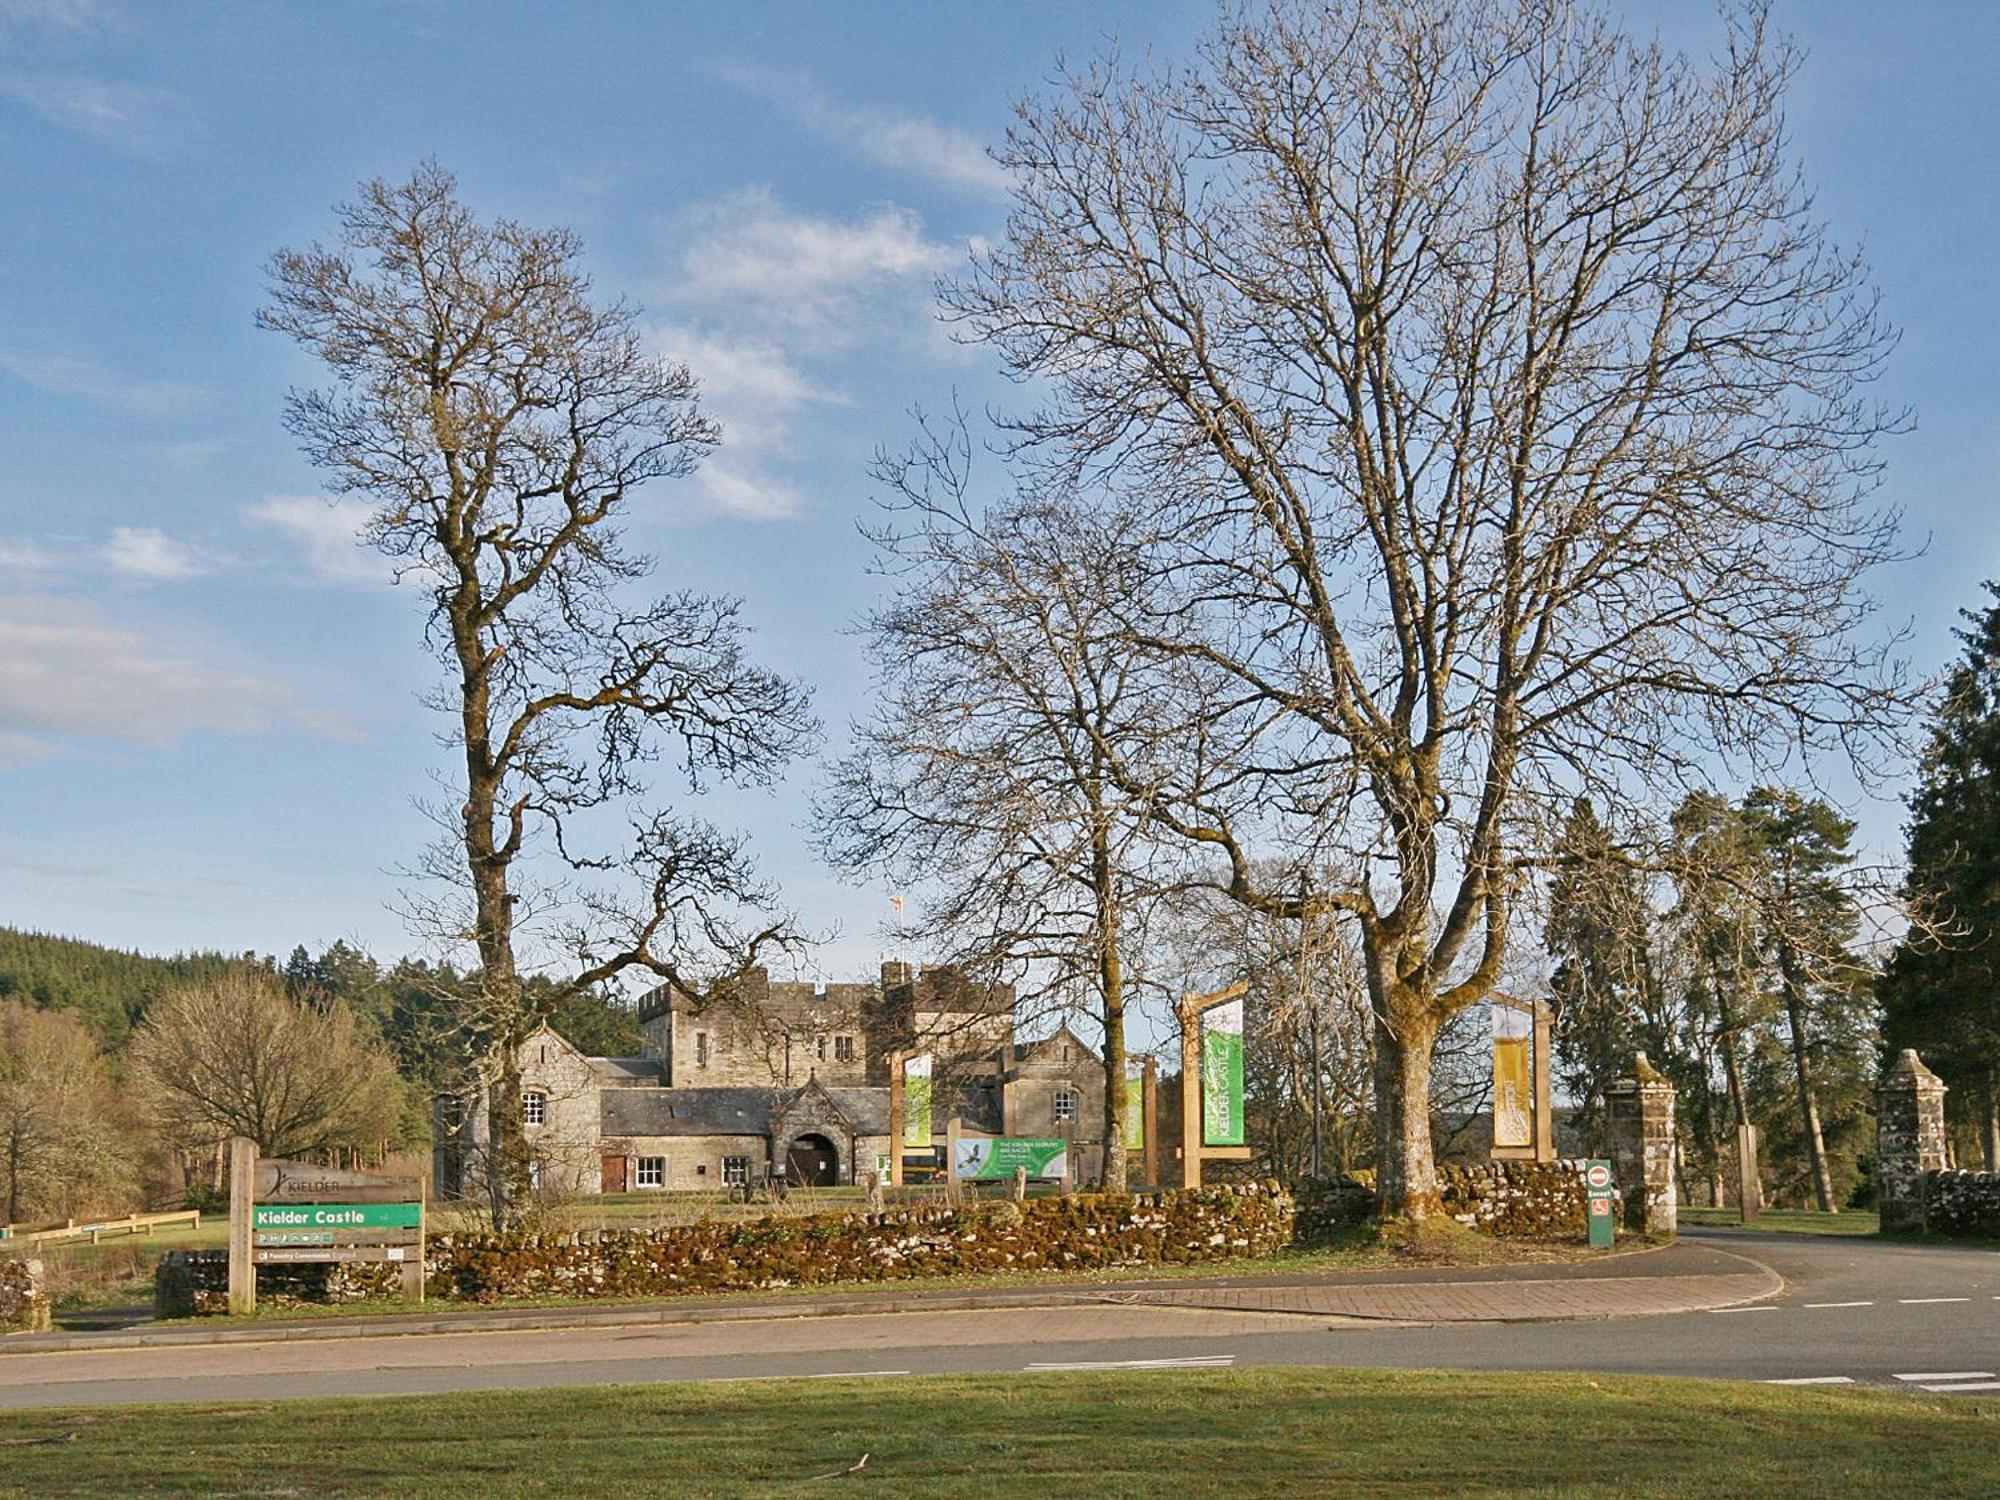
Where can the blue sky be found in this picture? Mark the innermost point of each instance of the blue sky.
(209, 727)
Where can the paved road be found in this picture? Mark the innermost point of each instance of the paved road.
(1848, 1311)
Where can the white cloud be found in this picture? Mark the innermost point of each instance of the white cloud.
(907, 142)
(739, 370)
(72, 374)
(65, 15)
(19, 557)
(127, 117)
(146, 552)
(327, 534)
(811, 276)
(66, 671)
(747, 490)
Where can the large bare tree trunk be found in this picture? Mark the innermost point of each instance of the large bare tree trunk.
(1405, 1168)
(1111, 987)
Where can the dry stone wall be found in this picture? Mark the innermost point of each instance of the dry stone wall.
(1962, 1203)
(24, 1297)
(1514, 1199)
(1082, 1232)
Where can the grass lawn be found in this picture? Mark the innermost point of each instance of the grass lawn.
(1788, 1220)
(1186, 1433)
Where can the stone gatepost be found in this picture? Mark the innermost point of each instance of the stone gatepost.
(1641, 1117)
(1909, 1139)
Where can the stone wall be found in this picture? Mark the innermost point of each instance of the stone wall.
(1962, 1203)
(1513, 1199)
(24, 1297)
(1082, 1232)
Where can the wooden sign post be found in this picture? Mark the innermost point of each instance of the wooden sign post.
(1150, 1103)
(896, 1118)
(1194, 1145)
(296, 1213)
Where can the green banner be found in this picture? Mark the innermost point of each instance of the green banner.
(336, 1216)
(999, 1156)
(1135, 1111)
(1222, 1075)
(917, 1130)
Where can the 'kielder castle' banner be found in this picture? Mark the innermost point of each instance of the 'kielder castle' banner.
(1222, 1075)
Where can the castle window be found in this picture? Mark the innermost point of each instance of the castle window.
(701, 1049)
(843, 1048)
(534, 1107)
(822, 1049)
(735, 1170)
(1065, 1106)
(652, 1172)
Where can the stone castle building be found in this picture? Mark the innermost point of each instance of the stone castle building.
(775, 1079)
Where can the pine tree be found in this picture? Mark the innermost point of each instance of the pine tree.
(1940, 992)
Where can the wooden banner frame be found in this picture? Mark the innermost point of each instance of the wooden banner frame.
(1190, 1011)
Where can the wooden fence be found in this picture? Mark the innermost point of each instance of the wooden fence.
(95, 1230)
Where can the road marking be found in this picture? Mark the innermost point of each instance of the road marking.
(1947, 1375)
(1812, 1380)
(1919, 1301)
(1742, 1309)
(1204, 1361)
(1974, 1385)
(1840, 1304)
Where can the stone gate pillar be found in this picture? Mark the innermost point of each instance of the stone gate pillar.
(1641, 1117)
(1909, 1139)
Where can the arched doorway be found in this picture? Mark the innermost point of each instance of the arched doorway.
(812, 1161)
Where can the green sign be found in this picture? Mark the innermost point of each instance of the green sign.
(1599, 1190)
(325, 1216)
(1001, 1155)
(1222, 1075)
(917, 1100)
(1135, 1111)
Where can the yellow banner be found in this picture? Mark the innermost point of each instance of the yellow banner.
(1513, 1121)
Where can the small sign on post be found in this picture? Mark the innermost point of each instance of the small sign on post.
(1598, 1188)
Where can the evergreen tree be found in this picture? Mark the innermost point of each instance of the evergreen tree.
(1599, 938)
(1940, 992)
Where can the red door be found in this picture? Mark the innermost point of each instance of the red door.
(614, 1174)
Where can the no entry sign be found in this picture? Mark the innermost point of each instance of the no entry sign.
(1597, 1184)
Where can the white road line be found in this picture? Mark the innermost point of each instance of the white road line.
(1972, 1385)
(1812, 1380)
(1206, 1361)
(1924, 1375)
(1839, 1304)
(1919, 1301)
(1742, 1309)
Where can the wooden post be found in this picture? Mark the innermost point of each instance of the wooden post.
(1545, 1117)
(242, 1198)
(896, 1119)
(954, 1194)
(1749, 1190)
(1150, 1103)
(1190, 1017)
(413, 1271)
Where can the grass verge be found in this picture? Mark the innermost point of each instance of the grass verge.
(1208, 1433)
(1853, 1221)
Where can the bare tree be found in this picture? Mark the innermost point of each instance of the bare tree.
(504, 426)
(1019, 736)
(1505, 404)
(61, 1146)
(236, 1055)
